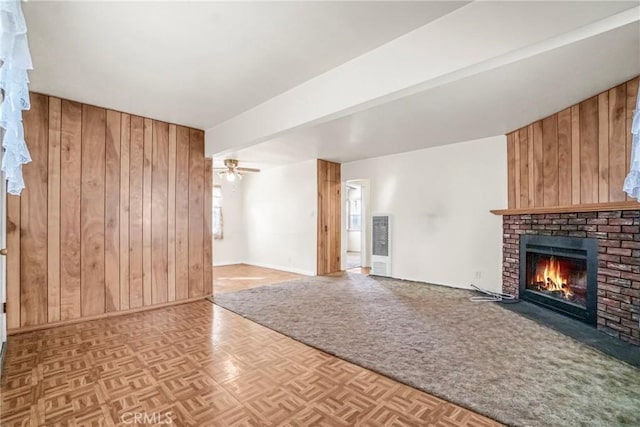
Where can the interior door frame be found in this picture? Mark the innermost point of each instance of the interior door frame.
(365, 226)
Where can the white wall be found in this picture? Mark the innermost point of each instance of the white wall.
(231, 249)
(280, 208)
(439, 199)
(353, 241)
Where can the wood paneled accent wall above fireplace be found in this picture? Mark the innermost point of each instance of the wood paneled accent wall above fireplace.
(115, 217)
(575, 157)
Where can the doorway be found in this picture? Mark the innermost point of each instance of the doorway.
(356, 235)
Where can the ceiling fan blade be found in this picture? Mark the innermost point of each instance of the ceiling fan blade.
(247, 170)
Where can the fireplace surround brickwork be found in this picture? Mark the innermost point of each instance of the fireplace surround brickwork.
(618, 234)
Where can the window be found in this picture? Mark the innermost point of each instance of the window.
(217, 213)
(353, 215)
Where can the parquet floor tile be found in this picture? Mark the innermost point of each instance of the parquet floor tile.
(198, 365)
(230, 278)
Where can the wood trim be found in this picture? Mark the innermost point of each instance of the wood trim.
(329, 217)
(102, 316)
(591, 207)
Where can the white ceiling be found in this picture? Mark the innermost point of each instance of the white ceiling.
(200, 63)
(280, 82)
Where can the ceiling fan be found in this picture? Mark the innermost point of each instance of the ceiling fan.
(231, 172)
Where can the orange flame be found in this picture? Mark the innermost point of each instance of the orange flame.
(552, 278)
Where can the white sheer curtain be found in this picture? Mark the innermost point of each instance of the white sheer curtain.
(632, 183)
(15, 60)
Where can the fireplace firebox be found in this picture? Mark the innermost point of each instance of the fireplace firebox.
(560, 273)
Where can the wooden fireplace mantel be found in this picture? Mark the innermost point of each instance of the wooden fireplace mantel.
(591, 207)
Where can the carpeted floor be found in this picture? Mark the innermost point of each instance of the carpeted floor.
(478, 355)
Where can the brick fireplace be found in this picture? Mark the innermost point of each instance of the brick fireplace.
(618, 260)
(565, 174)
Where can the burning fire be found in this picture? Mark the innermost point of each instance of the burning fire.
(551, 279)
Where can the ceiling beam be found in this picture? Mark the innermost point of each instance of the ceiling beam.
(473, 39)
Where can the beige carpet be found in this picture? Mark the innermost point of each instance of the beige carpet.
(478, 355)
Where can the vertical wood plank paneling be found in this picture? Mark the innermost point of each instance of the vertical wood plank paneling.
(146, 212)
(92, 211)
(589, 151)
(116, 215)
(550, 156)
(511, 172)
(517, 167)
(136, 187)
(33, 216)
(524, 167)
(616, 142)
(329, 217)
(13, 262)
(575, 155)
(53, 211)
(171, 214)
(531, 200)
(159, 207)
(208, 213)
(125, 132)
(538, 165)
(564, 157)
(590, 158)
(196, 210)
(603, 147)
(112, 211)
(632, 96)
(182, 212)
(70, 228)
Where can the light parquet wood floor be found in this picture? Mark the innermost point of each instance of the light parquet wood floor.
(197, 364)
(236, 277)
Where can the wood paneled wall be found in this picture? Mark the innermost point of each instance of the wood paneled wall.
(115, 215)
(329, 214)
(575, 157)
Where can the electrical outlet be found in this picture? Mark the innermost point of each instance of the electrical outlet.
(478, 274)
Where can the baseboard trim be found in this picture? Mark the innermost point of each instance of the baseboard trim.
(101, 316)
(223, 264)
(281, 268)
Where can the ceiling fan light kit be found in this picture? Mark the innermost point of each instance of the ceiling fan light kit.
(230, 176)
(231, 172)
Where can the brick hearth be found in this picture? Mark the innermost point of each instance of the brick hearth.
(618, 234)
